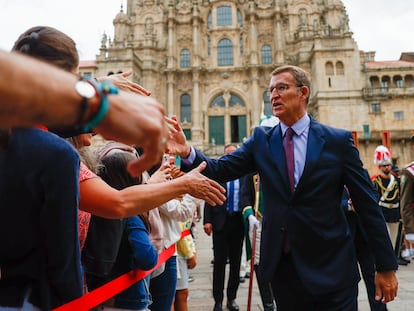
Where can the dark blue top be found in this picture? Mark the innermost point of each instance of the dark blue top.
(141, 254)
(39, 245)
(115, 247)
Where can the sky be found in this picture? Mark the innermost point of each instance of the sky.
(382, 26)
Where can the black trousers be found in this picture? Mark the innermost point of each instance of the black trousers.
(366, 261)
(227, 242)
(291, 295)
(265, 290)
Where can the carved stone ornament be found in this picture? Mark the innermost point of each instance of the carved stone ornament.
(184, 6)
(264, 4)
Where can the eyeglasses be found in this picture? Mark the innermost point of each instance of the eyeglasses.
(280, 88)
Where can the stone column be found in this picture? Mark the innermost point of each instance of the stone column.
(170, 93)
(196, 130)
(256, 97)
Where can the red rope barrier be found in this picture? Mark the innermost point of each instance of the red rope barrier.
(110, 289)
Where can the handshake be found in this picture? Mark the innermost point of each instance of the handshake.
(253, 223)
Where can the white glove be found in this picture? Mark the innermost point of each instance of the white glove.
(253, 223)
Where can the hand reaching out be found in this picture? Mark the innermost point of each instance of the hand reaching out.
(177, 142)
(123, 83)
(201, 187)
(163, 174)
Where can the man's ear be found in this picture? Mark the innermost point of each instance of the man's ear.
(305, 92)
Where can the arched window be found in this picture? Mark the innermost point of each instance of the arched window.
(209, 21)
(266, 54)
(340, 70)
(409, 80)
(224, 16)
(225, 52)
(374, 80)
(185, 58)
(235, 100)
(267, 109)
(329, 70)
(185, 104)
(218, 101)
(239, 19)
(398, 81)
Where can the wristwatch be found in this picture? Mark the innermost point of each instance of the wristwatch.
(90, 100)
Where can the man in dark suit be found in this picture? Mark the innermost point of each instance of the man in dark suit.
(307, 251)
(226, 223)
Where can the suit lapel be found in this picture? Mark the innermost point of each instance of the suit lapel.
(316, 142)
(276, 148)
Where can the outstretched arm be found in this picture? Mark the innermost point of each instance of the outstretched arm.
(27, 100)
(100, 199)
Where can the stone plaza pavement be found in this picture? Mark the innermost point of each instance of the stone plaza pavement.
(201, 299)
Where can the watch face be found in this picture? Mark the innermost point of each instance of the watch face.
(85, 89)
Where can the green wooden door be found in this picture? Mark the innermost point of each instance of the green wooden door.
(216, 129)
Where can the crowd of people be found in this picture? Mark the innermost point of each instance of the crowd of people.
(73, 220)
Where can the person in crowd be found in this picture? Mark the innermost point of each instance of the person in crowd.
(306, 251)
(131, 118)
(407, 204)
(363, 250)
(388, 188)
(250, 191)
(163, 285)
(186, 259)
(40, 266)
(131, 246)
(225, 222)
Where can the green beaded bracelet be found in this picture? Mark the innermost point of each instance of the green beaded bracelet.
(104, 89)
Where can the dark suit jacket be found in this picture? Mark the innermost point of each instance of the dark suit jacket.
(217, 215)
(320, 242)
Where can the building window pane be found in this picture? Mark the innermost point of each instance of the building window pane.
(329, 71)
(225, 52)
(376, 107)
(398, 115)
(340, 70)
(185, 103)
(235, 100)
(266, 54)
(209, 21)
(185, 58)
(224, 16)
(267, 109)
(208, 46)
(367, 130)
(399, 83)
(218, 101)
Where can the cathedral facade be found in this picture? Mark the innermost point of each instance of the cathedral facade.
(209, 62)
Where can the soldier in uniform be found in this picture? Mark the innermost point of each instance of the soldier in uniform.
(407, 201)
(388, 187)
